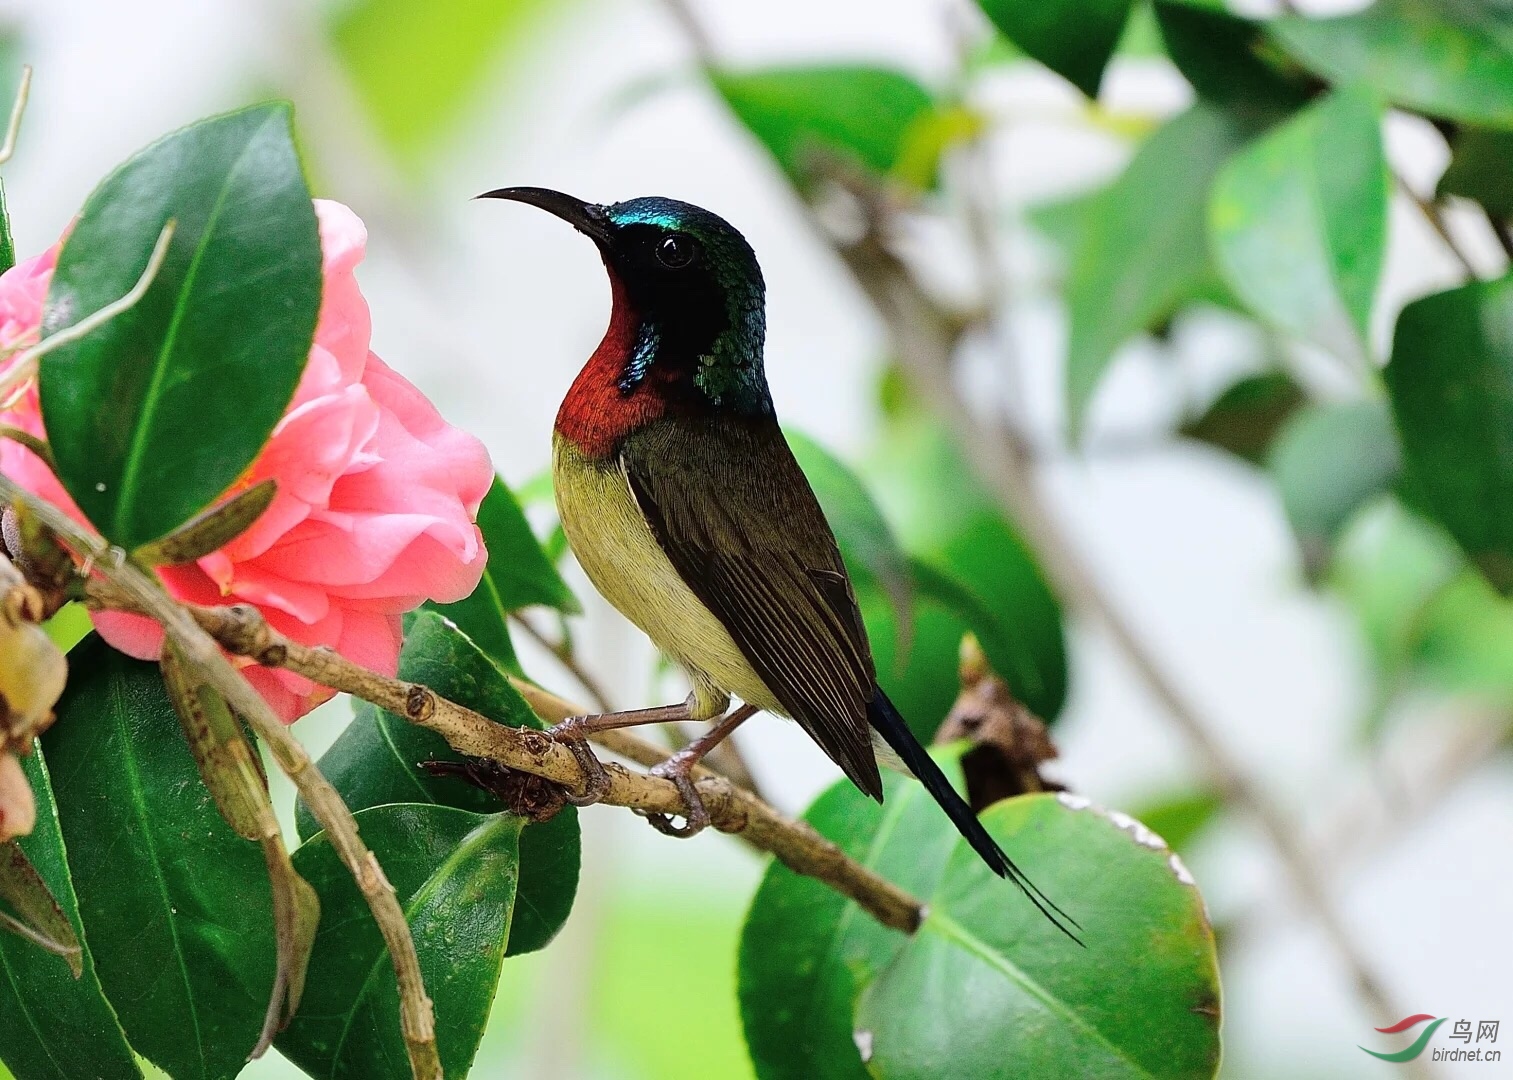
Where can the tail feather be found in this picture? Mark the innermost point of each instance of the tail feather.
(887, 722)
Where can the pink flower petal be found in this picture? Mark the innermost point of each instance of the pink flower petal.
(376, 498)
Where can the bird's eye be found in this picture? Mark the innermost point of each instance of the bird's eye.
(677, 250)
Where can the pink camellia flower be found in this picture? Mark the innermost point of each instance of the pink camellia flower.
(376, 501)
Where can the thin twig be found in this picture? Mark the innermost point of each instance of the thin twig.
(563, 651)
(25, 365)
(145, 594)
(1436, 219)
(18, 110)
(241, 630)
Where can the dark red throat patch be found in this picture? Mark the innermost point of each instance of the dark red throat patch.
(597, 415)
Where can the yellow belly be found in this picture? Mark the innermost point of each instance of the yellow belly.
(622, 558)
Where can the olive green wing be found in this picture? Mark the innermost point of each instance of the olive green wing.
(730, 507)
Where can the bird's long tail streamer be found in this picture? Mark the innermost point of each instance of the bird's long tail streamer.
(885, 719)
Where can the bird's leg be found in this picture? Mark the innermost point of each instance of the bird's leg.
(575, 730)
(679, 769)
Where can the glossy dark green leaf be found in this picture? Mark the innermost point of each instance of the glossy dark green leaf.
(1450, 58)
(988, 989)
(152, 416)
(862, 113)
(1299, 222)
(211, 530)
(1246, 418)
(867, 543)
(523, 574)
(956, 533)
(1144, 248)
(1140, 40)
(1074, 39)
(454, 874)
(1328, 462)
(376, 761)
(53, 1026)
(807, 952)
(518, 575)
(1481, 168)
(175, 906)
(1229, 59)
(1451, 384)
(417, 68)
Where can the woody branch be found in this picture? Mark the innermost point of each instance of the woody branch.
(116, 583)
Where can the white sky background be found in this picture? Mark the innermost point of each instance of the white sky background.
(490, 308)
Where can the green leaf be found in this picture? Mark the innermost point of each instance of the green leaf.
(1449, 58)
(1481, 168)
(454, 873)
(376, 761)
(864, 113)
(867, 543)
(1388, 567)
(1328, 462)
(518, 575)
(1451, 384)
(988, 989)
(211, 530)
(1179, 817)
(152, 416)
(1299, 222)
(1465, 639)
(1143, 248)
(1074, 39)
(52, 1025)
(10, 75)
(807, 952)
(956, 535)
(69, 625)
(1246, 418)
(922, 683)
(1229, 59)
(175, 906)
(7, 241)
(417, 67)
(1426, 617)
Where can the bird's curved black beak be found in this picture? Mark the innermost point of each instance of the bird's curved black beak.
(588, 218)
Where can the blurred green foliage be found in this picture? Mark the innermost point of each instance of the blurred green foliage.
(418, 67)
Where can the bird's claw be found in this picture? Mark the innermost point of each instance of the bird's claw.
(695, 814)
(595, 779)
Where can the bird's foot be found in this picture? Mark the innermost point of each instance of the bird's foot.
(573, 733)
(679, 769)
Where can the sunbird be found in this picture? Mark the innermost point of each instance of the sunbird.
(687, 510)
